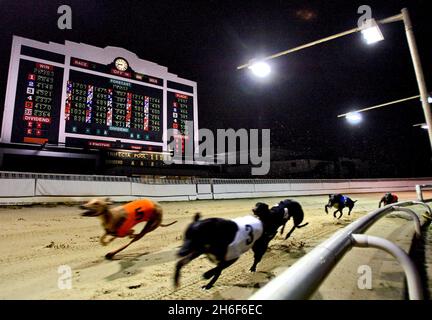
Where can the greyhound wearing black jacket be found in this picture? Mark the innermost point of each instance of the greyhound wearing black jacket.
(223, 241)
(279, 215)
(339, 201)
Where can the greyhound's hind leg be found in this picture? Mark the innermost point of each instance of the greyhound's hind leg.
(181, 263)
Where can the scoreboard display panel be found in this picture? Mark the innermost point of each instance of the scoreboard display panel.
(80, 95)
(180, 111)
(37, 103)
(100, 106)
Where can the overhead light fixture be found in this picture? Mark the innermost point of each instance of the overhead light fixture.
(429, 99)
(421, 125)
(371, 32)
(354, 117)
(260, 69)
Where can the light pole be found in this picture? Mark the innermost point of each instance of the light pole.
(379, 106)
(418, 71)
(405, 18)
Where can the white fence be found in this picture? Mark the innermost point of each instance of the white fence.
(28, 187)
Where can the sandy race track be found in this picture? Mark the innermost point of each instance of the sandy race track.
(36, 240)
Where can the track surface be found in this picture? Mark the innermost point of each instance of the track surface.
(35, 241)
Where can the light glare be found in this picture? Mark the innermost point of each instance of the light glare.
(260, 69)
(354, 117)
(372, 33)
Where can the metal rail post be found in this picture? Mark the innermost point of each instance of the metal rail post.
(416, 219)
(415, 290)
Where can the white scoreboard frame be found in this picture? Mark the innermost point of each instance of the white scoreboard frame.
(99, 55)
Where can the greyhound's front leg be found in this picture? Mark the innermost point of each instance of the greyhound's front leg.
(289, 233)
(105, 243)
(150, 226)
(259, 248)
(217, 272)
(210, 273)
(283, 228)
(334, 213)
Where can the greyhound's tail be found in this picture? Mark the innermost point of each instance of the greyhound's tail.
(167, 225)
(355, 201)
(303, 225)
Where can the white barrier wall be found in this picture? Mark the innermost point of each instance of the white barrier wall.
(231, 191)
(127, 189)
(228, 191)
(204, 191)
(17, 187)
(46, 187)
(167, 192)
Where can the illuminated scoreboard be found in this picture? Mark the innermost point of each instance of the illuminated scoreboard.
(83, 96)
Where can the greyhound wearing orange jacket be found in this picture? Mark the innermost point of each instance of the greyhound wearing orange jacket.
(119, 221)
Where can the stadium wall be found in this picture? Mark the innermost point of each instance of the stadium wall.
(37, 188)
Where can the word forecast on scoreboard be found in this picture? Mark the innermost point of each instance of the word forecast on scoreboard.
(83, 96)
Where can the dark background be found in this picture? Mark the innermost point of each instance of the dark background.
(205, 40)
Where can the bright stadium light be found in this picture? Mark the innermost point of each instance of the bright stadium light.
(429, 99)
(260, 69)
(371, 32)
(354, 117)
(421, 125)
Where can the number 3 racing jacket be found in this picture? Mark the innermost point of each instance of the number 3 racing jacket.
(249, 230)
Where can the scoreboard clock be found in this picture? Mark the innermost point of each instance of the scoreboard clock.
(121, 64)
(81, 95)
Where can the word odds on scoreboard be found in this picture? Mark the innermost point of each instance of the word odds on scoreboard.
(84, 96)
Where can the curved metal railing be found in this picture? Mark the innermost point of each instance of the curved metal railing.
(302, 279)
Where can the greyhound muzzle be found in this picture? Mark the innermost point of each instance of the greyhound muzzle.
(87, 213)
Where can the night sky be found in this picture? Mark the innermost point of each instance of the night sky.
(205, 40)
